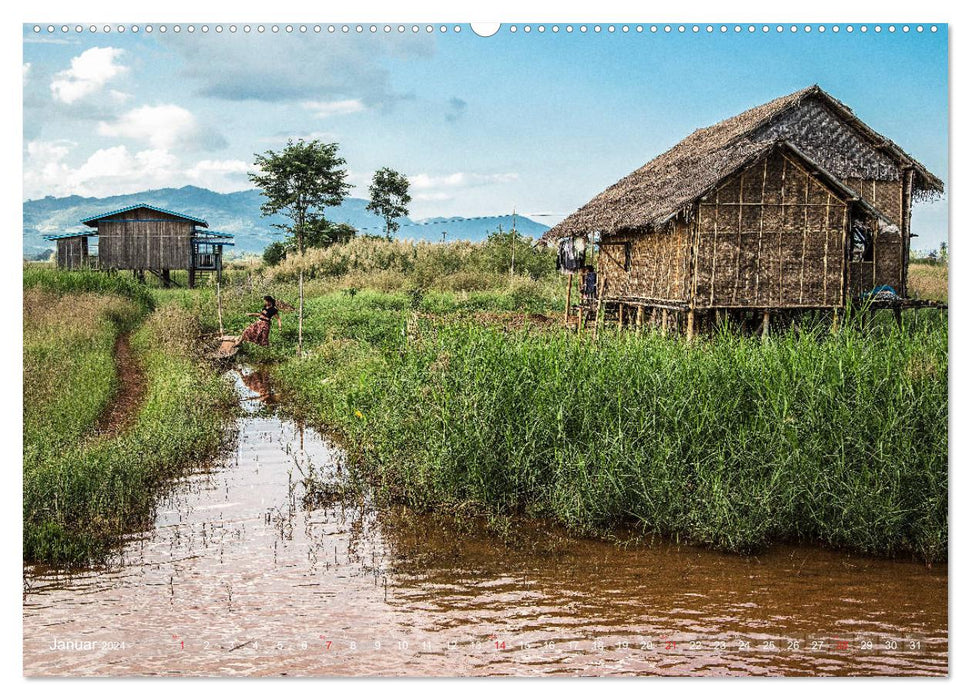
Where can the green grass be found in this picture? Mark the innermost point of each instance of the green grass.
(84, 493)
(840, 440)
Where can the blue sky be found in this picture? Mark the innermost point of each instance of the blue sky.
(537, 121)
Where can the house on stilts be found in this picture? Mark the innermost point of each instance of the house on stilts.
(791, 207)
(145, 238)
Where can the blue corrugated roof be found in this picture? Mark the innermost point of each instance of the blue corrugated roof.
(91, 220)
(218, 234)
(212, 241)
(76, 234)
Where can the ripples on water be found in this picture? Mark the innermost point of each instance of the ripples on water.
(238, 578)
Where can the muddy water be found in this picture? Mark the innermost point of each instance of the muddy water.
(241, 577)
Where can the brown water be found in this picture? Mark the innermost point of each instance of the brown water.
(239, 578)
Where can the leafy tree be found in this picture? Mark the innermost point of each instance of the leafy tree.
(275, 253)
(320, 233)
(389, 198)
(512, 252)
(299, 182)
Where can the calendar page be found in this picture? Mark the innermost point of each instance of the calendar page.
(454, 350)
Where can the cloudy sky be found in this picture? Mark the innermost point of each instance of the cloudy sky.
(536, 121)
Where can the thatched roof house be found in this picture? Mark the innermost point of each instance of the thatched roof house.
(758, 211)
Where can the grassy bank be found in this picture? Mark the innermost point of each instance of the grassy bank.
(83, 492)
(728, 442)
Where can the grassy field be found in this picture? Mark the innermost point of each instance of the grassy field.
(84, 491)
(475, 402)
(471, 399)
(928, 281)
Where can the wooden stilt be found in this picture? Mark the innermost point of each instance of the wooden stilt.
(690, 332)
(620, 315)
(569, 292)
(640, 318)
(766, 320)
(664, 321)
(836, 321)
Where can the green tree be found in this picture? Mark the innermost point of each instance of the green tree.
(321, 233)
(512, 252)
(299, 182)
(389, 198)
(275, 253)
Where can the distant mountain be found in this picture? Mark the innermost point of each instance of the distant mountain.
(238, 213)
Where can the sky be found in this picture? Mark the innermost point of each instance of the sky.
(539, 122)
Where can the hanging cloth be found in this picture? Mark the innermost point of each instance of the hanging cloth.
(571, 254)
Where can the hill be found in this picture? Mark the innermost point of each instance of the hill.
(238, 213)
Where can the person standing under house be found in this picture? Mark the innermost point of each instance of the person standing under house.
(589, 284)
(258, 332)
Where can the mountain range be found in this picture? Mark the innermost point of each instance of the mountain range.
(238, 213)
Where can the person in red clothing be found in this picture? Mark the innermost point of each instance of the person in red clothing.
(258, 332)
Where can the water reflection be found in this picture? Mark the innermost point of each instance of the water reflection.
(239, 577)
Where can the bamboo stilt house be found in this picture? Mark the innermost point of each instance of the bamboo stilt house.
(145, 238)
(795, 204)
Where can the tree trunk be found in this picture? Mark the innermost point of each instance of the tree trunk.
(300, 319)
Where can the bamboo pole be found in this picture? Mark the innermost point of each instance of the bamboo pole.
(300, 319)
(219, 308)
(690, 332)
(765, 324)
(569, 291)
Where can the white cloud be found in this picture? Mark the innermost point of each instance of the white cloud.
(88, 74)
(334, 108)
(220, 175)
(26, 72)
(423, 181)
(118, 170)
(432, 197)
(162, 126)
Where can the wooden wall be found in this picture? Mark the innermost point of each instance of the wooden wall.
(72, 253)
(771, 236)
(658, 265)
(145, 239)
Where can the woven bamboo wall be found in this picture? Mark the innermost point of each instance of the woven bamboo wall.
(658, 265)
(72, 253)
(145, 239)
(887, 197)
(771, 236)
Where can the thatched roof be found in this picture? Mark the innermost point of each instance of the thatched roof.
(656, 192)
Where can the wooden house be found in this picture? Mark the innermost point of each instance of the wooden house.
(792, 206)
(145, 238)
(72, 249)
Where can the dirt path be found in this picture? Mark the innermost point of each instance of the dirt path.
(123, 409)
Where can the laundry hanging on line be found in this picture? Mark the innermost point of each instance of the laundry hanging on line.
(571, 254)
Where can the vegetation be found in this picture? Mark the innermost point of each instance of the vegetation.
(455, 389)
(729, 442)
(389, 198)
(928, 280)
(83, 491)
(469, 401)
(299, 182)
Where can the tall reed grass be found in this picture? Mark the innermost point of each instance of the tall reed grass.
(730, 442)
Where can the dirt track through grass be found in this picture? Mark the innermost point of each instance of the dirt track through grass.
(123, 409)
